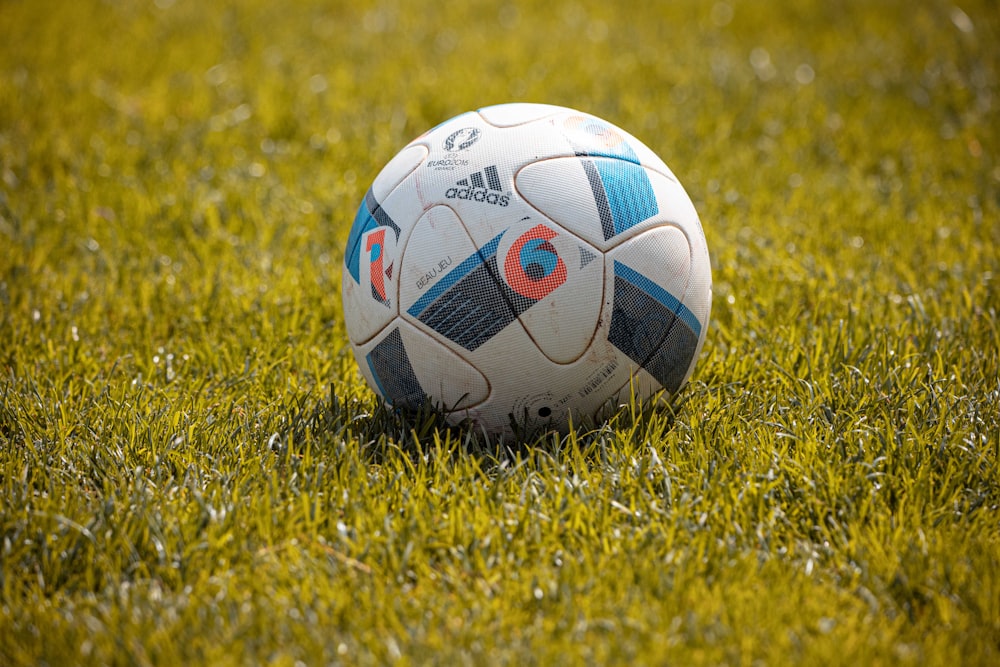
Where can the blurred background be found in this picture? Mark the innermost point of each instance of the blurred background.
(270, 118)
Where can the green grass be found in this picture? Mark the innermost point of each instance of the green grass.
(193, 472)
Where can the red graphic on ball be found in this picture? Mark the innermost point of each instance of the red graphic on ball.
(374, 245)
(533, 267)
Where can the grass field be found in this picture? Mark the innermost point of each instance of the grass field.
(193, 472)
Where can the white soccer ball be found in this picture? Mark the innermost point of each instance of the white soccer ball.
(524, 266)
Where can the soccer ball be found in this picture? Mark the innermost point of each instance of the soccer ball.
(525, 266)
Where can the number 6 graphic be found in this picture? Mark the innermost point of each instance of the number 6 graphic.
(533, 266)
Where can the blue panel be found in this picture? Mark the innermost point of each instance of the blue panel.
(470, 304)
(471, 262)
(600, 198)
(363, 222)
(629, 193)
(650, 326)
(664, 297)
(622, 191)
(394, 375)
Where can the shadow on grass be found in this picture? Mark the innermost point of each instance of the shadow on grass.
(376, 430)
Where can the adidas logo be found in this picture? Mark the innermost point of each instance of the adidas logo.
(483, 186)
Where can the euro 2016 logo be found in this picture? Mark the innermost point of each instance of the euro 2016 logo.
(533, 267)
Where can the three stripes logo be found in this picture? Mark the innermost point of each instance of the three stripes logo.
(482, 186)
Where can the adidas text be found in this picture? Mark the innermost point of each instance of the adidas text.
(478, 194)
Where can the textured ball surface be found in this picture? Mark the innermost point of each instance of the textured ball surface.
(525, 265)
